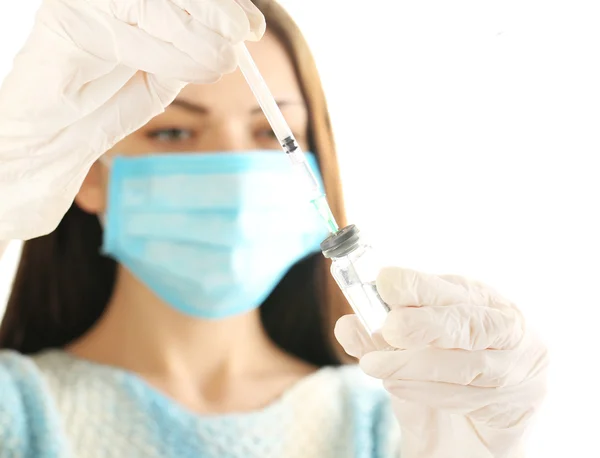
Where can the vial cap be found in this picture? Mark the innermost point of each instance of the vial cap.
(341, 243)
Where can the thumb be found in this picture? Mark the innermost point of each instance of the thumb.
(353, 336)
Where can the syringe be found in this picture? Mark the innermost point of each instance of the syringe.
(285, 136)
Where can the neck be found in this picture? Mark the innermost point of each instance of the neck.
(209, 366)
(141, 333)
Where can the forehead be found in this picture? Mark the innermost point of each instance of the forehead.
(232, 93)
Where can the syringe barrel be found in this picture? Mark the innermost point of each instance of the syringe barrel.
(262, 93)
(302, 168)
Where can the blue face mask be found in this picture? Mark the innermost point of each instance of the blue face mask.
(210, 234)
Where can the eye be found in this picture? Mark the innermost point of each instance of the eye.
(266, 133)
(173, 135)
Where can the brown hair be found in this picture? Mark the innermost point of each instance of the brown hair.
(63, 283)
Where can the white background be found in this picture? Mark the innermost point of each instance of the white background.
(468, 135)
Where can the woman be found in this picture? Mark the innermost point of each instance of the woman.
(171, 314)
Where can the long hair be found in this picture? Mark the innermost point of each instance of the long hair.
(63, 283)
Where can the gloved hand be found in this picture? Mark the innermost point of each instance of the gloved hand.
(464, 371)
(92, 72)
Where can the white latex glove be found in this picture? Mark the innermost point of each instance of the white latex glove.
(466, 374)
(92, 72)
(3, 246)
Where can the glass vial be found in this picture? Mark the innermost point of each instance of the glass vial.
(355, 268)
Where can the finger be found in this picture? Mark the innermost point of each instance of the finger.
(443, 396)
(400, 287)
(152, 55)
(205, 46)
(225, 17)
(457, 326)
(143, 97)
(122, 43)
(256, 19)
(478, 291)
(353, 337)
(485, 368)
(139, 100)
(464, 400)
(235, 20)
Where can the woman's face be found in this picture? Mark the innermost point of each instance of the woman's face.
(218, 117)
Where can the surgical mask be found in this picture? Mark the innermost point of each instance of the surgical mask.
(210, 234)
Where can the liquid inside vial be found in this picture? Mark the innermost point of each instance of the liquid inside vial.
(367, 304)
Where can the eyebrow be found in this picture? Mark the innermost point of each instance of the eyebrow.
(280, 104)
(200, 109)
(189, 106)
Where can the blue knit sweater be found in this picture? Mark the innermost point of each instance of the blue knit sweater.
(54, 405)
